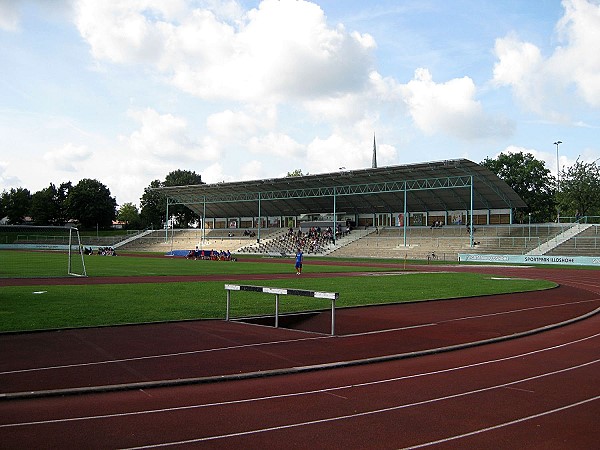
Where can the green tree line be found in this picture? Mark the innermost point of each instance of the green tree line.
(575, 193)
(90, 204)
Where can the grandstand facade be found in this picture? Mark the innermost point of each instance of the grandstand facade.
(420, 211)
(452, 192)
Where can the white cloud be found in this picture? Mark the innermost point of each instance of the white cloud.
(519, 66)
(9, 15)
(252, 170)
(68, 158)
(578, 61)
(280, 49)
(378, 94)
(537, 81)
(215, 173)
(229, 125)
(5, 178)
(276, 144)
(166, 137)
(450, 108)
(124, 31)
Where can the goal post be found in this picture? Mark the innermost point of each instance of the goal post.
(76, 265)
(28, 251)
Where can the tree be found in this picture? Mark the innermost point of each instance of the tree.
(183, 215)
(16, 204)
(579, 192)
(296, 173)
(530, 179)
(48, 206)
(129, 214)
(91, 204)
(2, 207)
(153, 206)
(182, 178)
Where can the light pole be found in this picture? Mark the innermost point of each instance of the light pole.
(557, 143)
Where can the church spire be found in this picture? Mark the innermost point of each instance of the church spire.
(374, 162)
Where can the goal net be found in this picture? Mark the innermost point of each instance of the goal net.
(40, 251)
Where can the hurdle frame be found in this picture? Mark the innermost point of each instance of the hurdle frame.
(333, 296)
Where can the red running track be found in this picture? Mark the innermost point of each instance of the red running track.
(510, 394)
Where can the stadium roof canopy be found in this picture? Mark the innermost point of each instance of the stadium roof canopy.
(449, 185)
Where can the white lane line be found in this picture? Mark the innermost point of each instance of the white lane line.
(164, 355)
(376, 411)
(302, 393)
(514, 311)
(389, 330)
(262, 344)
(505, 424)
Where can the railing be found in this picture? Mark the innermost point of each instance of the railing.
(581, 219)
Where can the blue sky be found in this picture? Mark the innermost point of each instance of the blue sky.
(126, 91)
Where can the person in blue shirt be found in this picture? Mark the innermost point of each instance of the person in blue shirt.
(299, 258)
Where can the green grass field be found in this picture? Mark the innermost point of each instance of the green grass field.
(24, 308)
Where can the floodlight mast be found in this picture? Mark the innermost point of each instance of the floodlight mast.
(557, 143)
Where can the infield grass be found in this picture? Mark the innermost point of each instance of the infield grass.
(45, 306)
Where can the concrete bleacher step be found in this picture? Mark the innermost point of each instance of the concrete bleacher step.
(388, 242)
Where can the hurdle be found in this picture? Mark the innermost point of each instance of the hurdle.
(333, 296)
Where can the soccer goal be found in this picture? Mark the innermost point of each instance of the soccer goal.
(40, 251)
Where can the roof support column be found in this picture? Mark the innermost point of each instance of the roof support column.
(404, 214)
(334, 216)
(203, 219)
(471, 213)
(258, 225)
(167, 222)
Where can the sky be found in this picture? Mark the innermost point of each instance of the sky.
(126, 91)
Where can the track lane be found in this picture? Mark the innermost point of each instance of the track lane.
(440, 397)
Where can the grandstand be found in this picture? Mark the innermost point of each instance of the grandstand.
(422, 242)
(434, 210)
(416, 211)
(447, 242)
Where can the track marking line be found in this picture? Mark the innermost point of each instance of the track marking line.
(521, 390)
(317, 391)
(164, 355)
(262, 344)
(385, 410)
(389, 330)
(505, 424)
(514, 311)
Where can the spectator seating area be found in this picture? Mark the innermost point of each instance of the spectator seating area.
(443, 243)
(225, 239)
(287, 242)
(448, 241)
